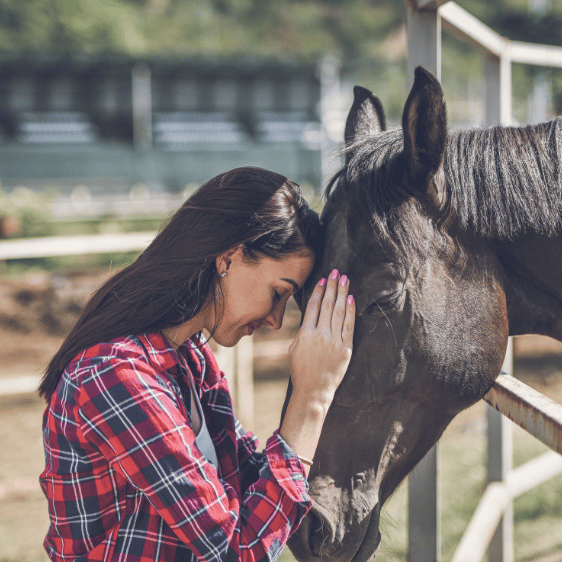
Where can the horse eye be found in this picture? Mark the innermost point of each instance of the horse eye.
(383, 302)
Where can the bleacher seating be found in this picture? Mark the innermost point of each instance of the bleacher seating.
(182, 130)
(56, 127)
(288, 126)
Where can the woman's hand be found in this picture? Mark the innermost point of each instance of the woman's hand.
(319, 356)
(321, 352)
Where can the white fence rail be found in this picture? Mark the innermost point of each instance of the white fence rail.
(50, 246)
(491, 527)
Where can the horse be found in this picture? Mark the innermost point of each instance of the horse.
(451, 241)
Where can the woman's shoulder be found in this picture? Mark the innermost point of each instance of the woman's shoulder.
(149, 349)
(124, 347)
(107, 361)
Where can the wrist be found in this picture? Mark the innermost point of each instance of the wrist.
(302, 424)
(312, 401)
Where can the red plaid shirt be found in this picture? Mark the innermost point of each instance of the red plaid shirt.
(125, 481)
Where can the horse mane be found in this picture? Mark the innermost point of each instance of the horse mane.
(506, 181)
(501, 181)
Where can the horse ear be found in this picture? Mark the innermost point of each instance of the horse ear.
(425, 132)
(365, 118)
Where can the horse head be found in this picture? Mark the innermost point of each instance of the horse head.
(431, 327)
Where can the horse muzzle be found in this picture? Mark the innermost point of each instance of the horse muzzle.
(317, 539)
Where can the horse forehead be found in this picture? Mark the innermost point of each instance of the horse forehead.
(339, 238)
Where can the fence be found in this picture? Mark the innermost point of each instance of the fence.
(492, 524)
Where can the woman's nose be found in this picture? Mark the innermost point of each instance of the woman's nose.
(275, 319)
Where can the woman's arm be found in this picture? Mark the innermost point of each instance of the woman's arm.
(125, 413)
(320, 356)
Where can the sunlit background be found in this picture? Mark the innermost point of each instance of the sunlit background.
(113, 111)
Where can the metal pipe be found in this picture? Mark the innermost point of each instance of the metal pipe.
(535, 413)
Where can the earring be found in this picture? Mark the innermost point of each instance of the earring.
(223, 274)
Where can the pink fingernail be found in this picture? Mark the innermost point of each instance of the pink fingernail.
(322, 282)
(335, 274)
(350, 299)
(344, 280)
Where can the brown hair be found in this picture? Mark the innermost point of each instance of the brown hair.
(261, 211)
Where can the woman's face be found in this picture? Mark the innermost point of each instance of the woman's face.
(255, 293)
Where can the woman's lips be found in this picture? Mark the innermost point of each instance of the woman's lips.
(251, 327)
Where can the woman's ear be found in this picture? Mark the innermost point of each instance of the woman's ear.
(224, 261)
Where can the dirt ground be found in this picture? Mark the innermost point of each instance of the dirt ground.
(36, 312)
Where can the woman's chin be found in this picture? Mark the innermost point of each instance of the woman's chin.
(230, 340)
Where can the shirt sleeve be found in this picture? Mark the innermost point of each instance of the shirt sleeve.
(133, 418)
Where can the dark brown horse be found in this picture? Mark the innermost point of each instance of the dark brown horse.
(452, 243)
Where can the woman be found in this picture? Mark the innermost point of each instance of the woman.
(145, 459)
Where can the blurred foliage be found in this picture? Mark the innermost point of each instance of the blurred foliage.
(225, 27)
(354, 28)
(365, 33)
(24, 213)
(362, 32)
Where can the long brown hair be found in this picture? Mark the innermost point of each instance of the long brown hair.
(168, 284)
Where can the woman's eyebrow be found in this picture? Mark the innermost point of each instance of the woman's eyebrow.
(293, 283)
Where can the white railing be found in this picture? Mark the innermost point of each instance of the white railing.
(492, 524)
(51, 246)
(542, 418)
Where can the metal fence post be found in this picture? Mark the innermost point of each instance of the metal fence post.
(499, 464)
(424, 540)
(500, 431)
(142, 106)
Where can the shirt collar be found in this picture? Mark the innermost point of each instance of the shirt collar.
(162, 356)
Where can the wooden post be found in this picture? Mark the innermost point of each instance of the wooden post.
(424, 526)
(540, 102)
(424, 42)
(226, 359)
(245, 382)
(329, 71)
(237, 363)
(500, 429)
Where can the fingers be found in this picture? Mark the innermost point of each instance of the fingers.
(329, 308)
(338, 314)
(349, 321)
(310, 319)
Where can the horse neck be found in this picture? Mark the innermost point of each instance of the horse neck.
(532, 267)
